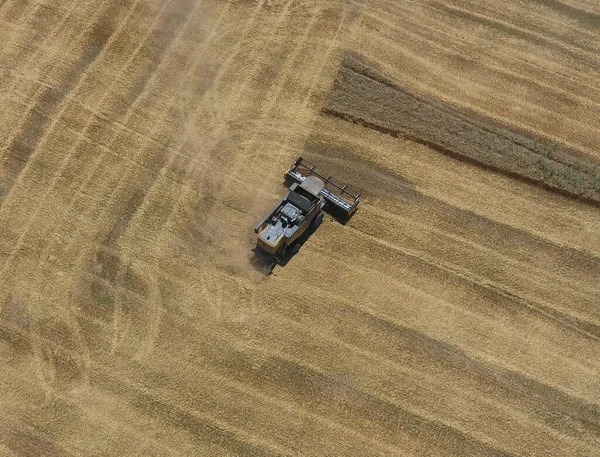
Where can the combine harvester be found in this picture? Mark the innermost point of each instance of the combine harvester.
(300, 212)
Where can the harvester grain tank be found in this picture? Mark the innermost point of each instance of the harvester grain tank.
(281, 231)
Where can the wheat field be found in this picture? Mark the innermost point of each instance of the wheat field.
(456, 314)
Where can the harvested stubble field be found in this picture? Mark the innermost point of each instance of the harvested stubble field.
(457, 314)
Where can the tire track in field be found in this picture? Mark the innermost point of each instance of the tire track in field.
(137, 200)
(43, 92)
(154, 321)
(43, 366)
(141, 199)
(389, 252)
(406, 350)
(120, 297)
(117, 313)
(34, 131)
(83, 350)
(31, 63)
(309, 380)
(56, 342)
(96, 417)
(21, 332)
(137, 90)
(90, 56)
(51, 342)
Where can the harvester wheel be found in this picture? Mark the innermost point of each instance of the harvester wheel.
(317, 220)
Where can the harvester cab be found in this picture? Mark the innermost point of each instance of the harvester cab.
(299, 213)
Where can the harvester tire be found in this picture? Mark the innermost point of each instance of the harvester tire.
(317, 220)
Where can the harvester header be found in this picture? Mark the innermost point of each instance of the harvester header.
(335, 195)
